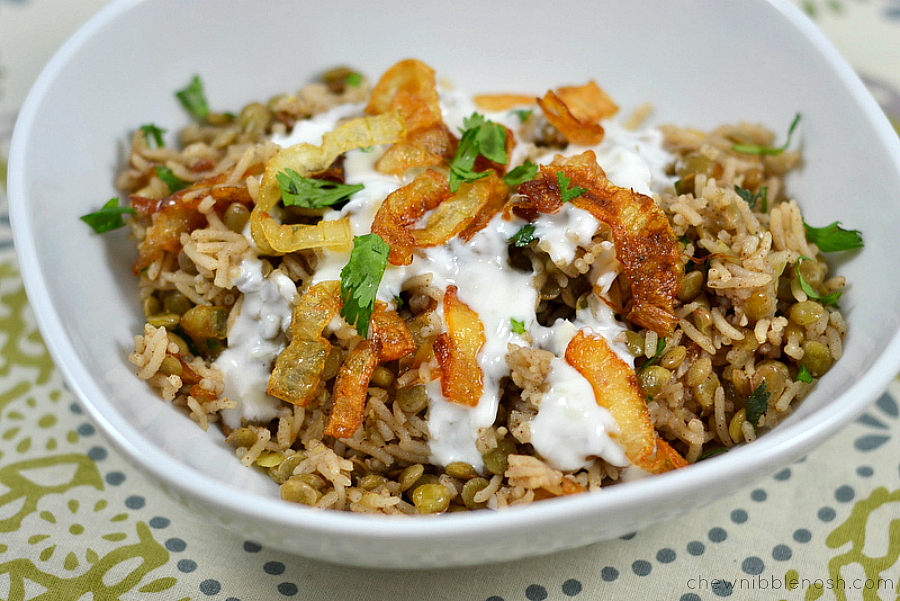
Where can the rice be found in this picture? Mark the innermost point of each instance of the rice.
(737, 321)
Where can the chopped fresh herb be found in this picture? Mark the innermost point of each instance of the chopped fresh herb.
(565, 191)
(750, 198)
(524, 236)
(830, 300)
(109, 217)
(170, 179)
(524, 172)
(832, 238)
(478, 137)
(660, 347)
(193, 99)
(757, 404)
(398, 302)
(353, 79)
(367, 149)
(764, 150)
(151, 132)
(522, 114)
(360, 279)
(518, 326)
(803, 375)
(712, 453)
(299, 191)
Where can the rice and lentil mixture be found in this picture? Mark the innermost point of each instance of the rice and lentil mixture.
(745, 336)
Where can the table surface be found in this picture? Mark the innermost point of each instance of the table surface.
(75, 518)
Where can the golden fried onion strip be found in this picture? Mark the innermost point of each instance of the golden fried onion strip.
(616, 388)
(575, 130)
(587, 103)
(409, 88)
(298, 369)
(351, 390)
(462, 379)
(478, 200)
(307, 160)
(645, 243)
(403, 207)
(394, 338)
(503, 102)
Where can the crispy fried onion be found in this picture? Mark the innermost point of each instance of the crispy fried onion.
(464, 212)
(616, 388)
(645, 243)
(502, 102)
(575, 130)
(275, 238)
(587, 103)
(409, 89)
(390, 340)
(299, 369)
(462, 379)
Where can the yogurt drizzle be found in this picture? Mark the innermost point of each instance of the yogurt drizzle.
(570, 427)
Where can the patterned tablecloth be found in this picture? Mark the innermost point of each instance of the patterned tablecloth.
(77, 522)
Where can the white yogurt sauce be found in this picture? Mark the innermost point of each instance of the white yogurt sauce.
(255, 340)
(570, 428)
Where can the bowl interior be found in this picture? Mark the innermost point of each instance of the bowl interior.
(692, 65)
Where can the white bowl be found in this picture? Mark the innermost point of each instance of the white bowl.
(699, 63)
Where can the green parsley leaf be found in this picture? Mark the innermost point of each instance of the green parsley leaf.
(750, 198)
(565, 191)
(832, 238)
(522, 114)
(299, 191)
(360, 279)
(518, 326)
(524, 172)
(109, 217)
(660, 347)
(829, 300)
(170, 179)
(151, 132)
(398, 301)
(712, 453)
(353, 79)
(478, 137)
(757, 404)
(524, 236)
(803, 375)
(764, 150)
(193, 99)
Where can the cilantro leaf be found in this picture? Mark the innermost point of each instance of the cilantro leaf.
(170, 179)
(829, 300)
(478, 137)
(660, 347)
(524, 236)
(299, 191)
(151, 132)
(524, 172)
(832, 238)
(109, 217)
(764, 150)
(750, 198)
(565, 191)
(522, 114)
(803, 374)
(757, 404)
(712, 453)
(193, 99)
(353, 79)
(518, 326)
(360, 279)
